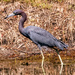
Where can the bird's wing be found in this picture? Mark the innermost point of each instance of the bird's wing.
(42, 37)
(39, 31)
(44, 33)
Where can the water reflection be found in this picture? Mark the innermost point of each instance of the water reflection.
(34, 68)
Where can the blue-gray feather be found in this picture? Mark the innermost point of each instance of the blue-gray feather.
(43, 37)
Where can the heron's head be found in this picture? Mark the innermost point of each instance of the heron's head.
(16, 12)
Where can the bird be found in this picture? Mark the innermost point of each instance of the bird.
(39, 36)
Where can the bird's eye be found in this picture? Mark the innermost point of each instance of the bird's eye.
(15, 13)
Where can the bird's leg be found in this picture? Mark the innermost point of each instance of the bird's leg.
(42, 64)
(60, 61)
(42, 59)
(61, 64)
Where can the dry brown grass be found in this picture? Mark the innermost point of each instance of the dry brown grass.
(59, 20)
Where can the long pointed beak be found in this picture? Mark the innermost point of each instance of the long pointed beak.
(9, 15)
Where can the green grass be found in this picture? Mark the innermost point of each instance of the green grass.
(38, 3)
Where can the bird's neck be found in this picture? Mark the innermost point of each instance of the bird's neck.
(21, 23)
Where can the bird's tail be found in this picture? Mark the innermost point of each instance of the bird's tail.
(61, 45)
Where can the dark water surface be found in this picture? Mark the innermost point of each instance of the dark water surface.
(22, 67)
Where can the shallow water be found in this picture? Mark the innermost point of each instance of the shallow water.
(24, 67)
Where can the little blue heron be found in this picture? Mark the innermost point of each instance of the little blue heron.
(39, 36)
